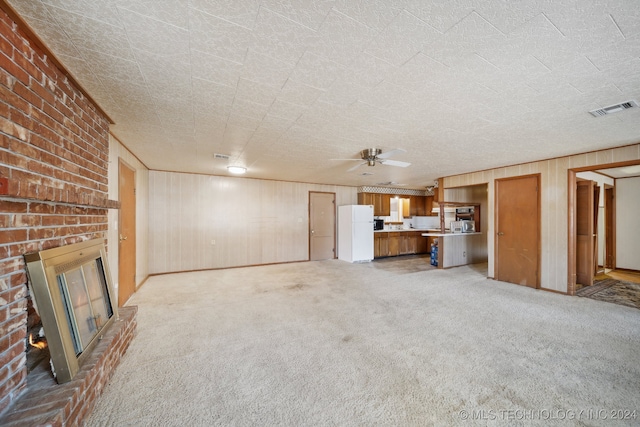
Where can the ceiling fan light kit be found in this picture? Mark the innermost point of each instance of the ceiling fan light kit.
(370, 155)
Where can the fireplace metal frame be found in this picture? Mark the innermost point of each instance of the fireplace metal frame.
(44, 267)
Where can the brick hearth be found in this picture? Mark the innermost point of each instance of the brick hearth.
(47, 403)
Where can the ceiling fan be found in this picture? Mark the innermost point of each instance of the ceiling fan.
(371, 156)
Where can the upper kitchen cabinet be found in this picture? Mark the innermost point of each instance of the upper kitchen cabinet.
(418, 206)
(421, 205)
(367, 199)
(382, 205)
(411, 206)
(428, 205)
(380, 202)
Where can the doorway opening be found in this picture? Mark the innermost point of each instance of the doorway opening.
(601, 198)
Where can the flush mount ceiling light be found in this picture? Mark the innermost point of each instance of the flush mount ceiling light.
(631, 170)
(238, 170)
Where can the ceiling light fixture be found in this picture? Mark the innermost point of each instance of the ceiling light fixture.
(631, 170)
(238, 170)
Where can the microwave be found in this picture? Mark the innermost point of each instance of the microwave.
(467, 226)
(378, 224)
(462, 227)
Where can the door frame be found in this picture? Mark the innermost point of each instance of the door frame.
(609, 237)
(496, 248)
(335, 223)
(571, 217)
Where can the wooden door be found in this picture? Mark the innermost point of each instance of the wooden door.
(585, 232)
(517, 243)
(609, 227)
(127, 233)
(322, 226)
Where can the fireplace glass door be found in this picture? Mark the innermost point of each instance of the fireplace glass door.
(86, 302)
(73, 294)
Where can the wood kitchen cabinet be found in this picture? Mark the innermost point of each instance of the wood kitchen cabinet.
(418, 206)
(408, 243)
(413, 211)
(384, 204)
(366, 199)
(394, 244)
(428, 205)
(380, 244)
(423, 244)
(381, 202)
(406, 206)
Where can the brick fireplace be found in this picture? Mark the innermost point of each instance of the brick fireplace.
(54, 157)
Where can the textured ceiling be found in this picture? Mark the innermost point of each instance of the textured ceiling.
(285, 86)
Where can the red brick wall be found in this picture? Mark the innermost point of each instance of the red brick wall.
(53, 180)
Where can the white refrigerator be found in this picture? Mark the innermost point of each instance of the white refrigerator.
(355, 233)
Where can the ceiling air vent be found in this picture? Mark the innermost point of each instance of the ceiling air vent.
(221, 156)
(613, 108)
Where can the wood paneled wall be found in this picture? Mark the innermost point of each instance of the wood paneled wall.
(554, 197)
(202, 222)
(118, 151)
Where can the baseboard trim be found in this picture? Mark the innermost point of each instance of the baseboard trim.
(627, 270)
(553, 291)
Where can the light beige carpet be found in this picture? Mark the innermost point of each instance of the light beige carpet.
(334, 344)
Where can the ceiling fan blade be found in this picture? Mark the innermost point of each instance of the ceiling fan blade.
(395, 163)
(391, 153)
(356, 167)
(345, 160)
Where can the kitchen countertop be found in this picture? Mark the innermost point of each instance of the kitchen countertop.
(448, 234)
(401, 230)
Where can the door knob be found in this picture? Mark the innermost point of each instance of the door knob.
(500, 233)
(313, 231)
(123, 237)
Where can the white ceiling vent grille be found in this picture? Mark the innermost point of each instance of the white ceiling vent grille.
(221, 156)
(614, 108)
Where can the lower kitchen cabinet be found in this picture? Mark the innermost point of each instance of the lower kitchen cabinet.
(423, 244)
(380, 245)
(408, 243)
(394, 243)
